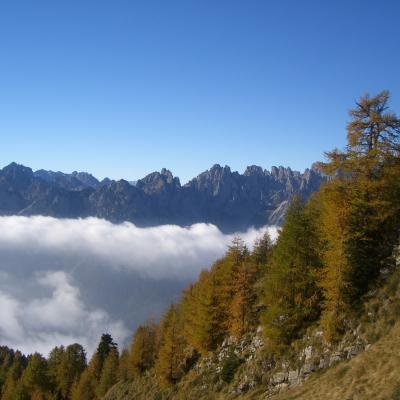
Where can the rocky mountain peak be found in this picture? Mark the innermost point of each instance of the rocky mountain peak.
(232, 201)
(14, 169)
(17, 174)
(253, 170)
(86, 179)
(74, 181)
(170, 179)
(214, 181)
(218, 170)
(157, 182)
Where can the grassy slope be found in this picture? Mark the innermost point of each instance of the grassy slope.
(373, 374)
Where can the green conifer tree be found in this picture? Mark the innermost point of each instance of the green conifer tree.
(109, 373)
(291, 294)
(35, 376)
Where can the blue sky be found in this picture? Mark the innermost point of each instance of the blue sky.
(123, 88)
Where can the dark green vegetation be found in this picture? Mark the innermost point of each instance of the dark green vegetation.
(334, 251)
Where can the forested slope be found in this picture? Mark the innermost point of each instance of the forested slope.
(363, 365)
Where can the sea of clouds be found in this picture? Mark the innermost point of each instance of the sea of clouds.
(64, 281)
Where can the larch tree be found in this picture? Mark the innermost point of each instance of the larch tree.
(373, 136)
(123, 368)
(363, 194)
(209, 304)
(53, 365)
(205, 311)
(172, 357)
(335, 278)
(13, 386)
(70, 368)
(373, 127)
(243, 311)
(143, 348)
(85, 388)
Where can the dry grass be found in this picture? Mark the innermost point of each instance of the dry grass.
(372, 375)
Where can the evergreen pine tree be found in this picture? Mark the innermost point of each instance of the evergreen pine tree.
(106, 345)
(262, 251)
(291, 295)
(109, 373)
(35, 376)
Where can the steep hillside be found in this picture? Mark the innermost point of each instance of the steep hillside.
(363, 365)
(373, 374)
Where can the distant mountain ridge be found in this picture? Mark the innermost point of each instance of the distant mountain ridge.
(230, 200)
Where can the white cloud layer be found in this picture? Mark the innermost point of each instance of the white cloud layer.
(65, 281)
(157, 252)
(61, 318)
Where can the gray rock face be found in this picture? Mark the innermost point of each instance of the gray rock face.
(88, 180)
(74, 181)
(230, 200)
(278, 374)
(22, 193)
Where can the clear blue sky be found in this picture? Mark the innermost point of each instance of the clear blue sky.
(122, 88)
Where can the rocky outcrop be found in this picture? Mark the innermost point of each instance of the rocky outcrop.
(256, 369)
(230, 200)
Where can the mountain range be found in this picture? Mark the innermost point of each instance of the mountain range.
(230, 200)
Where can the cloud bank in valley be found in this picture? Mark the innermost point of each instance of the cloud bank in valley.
(39, 324)
(64, 281)
(156, 252)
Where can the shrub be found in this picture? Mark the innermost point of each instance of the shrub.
(396, 393)
(229, 368)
